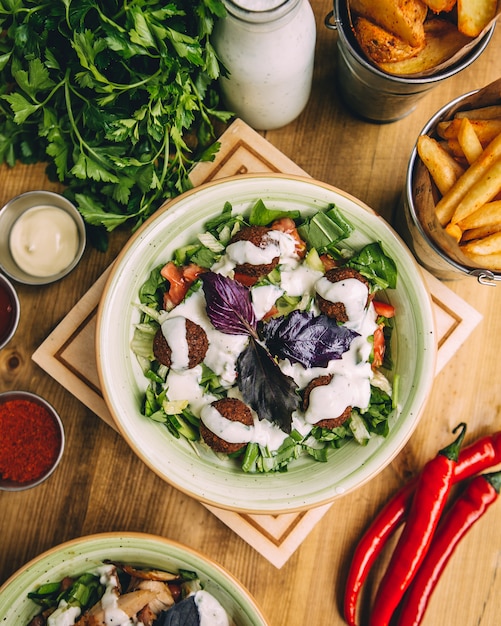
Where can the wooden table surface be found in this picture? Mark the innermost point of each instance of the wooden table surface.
(102, 486)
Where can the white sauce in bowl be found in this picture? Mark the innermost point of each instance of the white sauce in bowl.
(44, 241)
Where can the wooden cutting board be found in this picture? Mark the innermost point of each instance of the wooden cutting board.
(68, 352)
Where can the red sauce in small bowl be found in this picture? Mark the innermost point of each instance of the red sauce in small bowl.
(7, 313)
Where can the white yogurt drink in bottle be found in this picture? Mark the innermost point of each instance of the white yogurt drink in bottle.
(267, 47)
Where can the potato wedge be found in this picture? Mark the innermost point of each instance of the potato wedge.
(483, 191)
(380, 45)
(443, 168)
(474, 15)
(447, 204)
(443, 40)
(437, 6)
(469, 141)
(403, 18)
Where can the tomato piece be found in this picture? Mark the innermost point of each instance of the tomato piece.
(378, 347)
(273, 311)
(180, 279)
(383, 308)
(288, 226)
(191, 272)
(177, 288)
(245, 279)
(328, 262)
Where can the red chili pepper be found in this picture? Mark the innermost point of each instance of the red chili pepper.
(471, 505)
(478, 456)
(429, 499)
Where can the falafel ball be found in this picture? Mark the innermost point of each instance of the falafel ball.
(260, 237)
(337, 310)
(329, 423)
(197, 341)
(234, 410)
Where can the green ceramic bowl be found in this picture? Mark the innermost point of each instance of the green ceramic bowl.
(307, 483)
(143, 550)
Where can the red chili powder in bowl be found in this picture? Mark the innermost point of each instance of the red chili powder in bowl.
(30, 440)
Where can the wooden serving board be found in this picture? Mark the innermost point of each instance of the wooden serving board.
(68, 353)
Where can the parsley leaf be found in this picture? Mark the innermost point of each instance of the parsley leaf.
(119, 98)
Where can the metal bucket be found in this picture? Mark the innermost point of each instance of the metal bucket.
(372, 94)
(431, 247)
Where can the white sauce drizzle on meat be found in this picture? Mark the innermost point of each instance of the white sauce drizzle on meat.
(262, 432)
(174, 331)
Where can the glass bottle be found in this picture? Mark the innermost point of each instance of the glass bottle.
(268, 48)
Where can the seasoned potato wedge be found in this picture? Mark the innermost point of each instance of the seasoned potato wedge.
(474, 15)
(438, 6)
(443, 40)
(380, 45)
(404, 18)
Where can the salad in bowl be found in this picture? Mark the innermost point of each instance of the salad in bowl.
(125, 578)
(265, 343)
(266, 338)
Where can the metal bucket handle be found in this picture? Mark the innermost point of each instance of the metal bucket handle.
(485, 277)
(328, 21)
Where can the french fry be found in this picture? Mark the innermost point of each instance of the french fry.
(474, 15)
(443, 40)
(379, 44)
(404, 18)
(483, 191)
(456, 151)
(454, 231)
(487, 261)
(485, 130)
(487, 215)
(480, 232)
(484, 113)
(443, 168)
(481, 247)
(447, 204)
(469, 141)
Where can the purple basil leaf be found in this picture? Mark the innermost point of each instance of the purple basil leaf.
(229, 305)
(184, 613)
(264, 386)
(307, 339)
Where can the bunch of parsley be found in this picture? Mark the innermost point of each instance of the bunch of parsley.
(119, 97)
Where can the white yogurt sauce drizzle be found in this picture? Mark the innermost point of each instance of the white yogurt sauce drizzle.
(210, 612)
(174, 331)
(262, 432)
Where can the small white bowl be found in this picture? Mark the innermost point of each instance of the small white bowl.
(9, 484)
(10, 315)
(9, 215)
